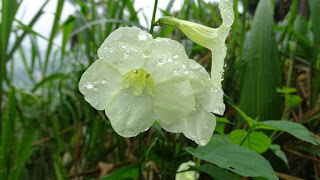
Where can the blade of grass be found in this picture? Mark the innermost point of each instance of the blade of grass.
(22, 152)
(9, 9)
(315, 14)
(23, 57)
(48, 80)
(52, 35)
(30, 25)
(7, 127)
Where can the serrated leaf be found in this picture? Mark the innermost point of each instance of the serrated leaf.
(256, 141)
(295, 129)
(235, 158)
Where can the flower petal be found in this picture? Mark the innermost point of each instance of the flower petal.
(166, 60)
(172, 101)
(129, 114)
(125, 48)
(209, 98)
(99, 83)
(197, 126)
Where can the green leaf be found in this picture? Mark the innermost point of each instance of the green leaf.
(235, 158)
(126, 172)
(295, 129)
(262, 74)
(256, 141)
(287, 90)
(217, 173)
(293, 100)
(276, 149)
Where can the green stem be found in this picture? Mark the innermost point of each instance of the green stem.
(153, 16)
(140, 156)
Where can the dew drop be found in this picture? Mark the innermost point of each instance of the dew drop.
(225, 65)
(142, 37)
(184, 66)
(214, 90)
(202, 143)
(104, 81)
(169, 59)
(186, 72)
(161, 61)
(89, 85)
(175, 56)
(176, 71)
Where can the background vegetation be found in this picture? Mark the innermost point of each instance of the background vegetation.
(272, 72)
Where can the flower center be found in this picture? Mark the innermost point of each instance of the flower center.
(139, 80)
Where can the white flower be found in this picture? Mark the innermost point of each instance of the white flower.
(187, 175)
(138, 80)
(211, 38)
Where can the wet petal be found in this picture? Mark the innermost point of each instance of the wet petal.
(125, 48)
(197, 126)
(172, 101)
(166, 60)
(209, 98)
(99, 83)
(129, 114)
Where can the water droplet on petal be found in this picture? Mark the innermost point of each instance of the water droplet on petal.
(175, 56)
(142, 36)
(214, 90)
(186, 72)
(225, 65)
(161, 61)
(176, 71)
(169, 59)
(103, 81)
(202, 143)
(89, 85)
